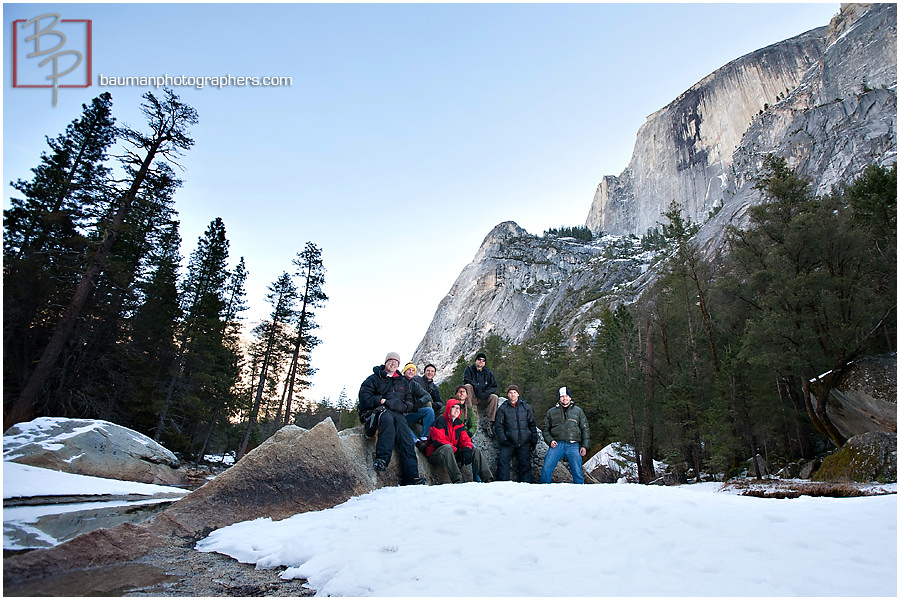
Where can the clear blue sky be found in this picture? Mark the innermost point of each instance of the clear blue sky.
(408, 132)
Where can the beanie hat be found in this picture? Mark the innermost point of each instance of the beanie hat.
(564, 391)
(512, 387)
(391, 355)
(481, 355)
(410, 365)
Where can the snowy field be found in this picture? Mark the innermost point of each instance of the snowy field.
(25, 481)
(512, 539)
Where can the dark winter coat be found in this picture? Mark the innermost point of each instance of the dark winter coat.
(448, 431)
(482, 381)
(400, 394)
(566, 425)
(515, 425)
(429, 386)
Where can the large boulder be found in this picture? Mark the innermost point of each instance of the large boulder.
(90, 447)
(864, 458)
(865, 398)
(615, 462)
(296, 470)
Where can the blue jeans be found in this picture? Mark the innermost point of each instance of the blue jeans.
(571, 451)
(425, 415)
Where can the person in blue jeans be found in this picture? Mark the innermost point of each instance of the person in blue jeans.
(422, 411)
(567, 433)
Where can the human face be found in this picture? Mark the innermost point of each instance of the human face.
(455, 411)
(462, 394)
(410, 373)
(479, 363)
(391, 366)
(513, 396)
(429, 373)
(565, 400)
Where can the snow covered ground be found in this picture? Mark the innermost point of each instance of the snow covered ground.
(513, 539)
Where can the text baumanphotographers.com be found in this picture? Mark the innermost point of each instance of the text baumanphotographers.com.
(217, 81)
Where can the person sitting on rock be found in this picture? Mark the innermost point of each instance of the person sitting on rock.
(516, 433)
(385, 387)
(469, 416)
(421, 399)
(450, 446)
(426, 380)
(481, 385)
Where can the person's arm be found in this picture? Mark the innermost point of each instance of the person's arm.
(548, 424)
(490, 384)
(585, 432)
(500, 429)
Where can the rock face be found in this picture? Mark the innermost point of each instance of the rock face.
(828, 102)
(90, 447)
(516, 283)
(865, 399)
(825, 100)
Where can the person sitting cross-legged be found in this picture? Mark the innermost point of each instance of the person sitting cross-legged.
(449, 445)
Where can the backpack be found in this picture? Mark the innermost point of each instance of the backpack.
(370, 420)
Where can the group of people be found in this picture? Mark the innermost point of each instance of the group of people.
(403, 400)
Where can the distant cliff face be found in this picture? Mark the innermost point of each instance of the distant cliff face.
(515, 284)
(703, 148)
(829, 106)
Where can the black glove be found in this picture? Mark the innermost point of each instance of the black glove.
(467, 455)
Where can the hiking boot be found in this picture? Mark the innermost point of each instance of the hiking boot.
(418, 481)
(380, 464)
(489, 430)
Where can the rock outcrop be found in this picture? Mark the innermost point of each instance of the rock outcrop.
(90, 447)
(866, 457)
(825, 100)
(865, 398)
(515, 284)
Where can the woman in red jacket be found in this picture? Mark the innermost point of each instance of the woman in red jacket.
(449, 444)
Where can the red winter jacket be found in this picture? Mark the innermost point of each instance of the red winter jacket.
(448, 431)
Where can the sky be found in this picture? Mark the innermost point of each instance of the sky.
(407, 133)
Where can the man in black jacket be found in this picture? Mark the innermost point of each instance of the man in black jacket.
(516, 433)
(481, 385)
(426, 380)
(385, 387)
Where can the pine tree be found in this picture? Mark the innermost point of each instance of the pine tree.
(203, 304)
(283, 297)
(168, 121)
(46, 238)
(311, 271)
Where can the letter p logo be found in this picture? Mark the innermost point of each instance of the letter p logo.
(66, 46)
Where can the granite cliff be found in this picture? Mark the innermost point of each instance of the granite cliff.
(825, 100)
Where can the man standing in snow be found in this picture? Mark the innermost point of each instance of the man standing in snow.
(386, 387)
(481, 385)
(516, 433)
(567, 433)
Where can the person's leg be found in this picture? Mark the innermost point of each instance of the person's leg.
(493, 402)
(550, 460)
(443, 457)
(479, 465)
(384, 442)
(506, 453)
(574, 457)
(406, 446)
(523, 455)
(427, 420)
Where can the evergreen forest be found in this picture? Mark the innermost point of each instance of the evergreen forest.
(100, 320)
